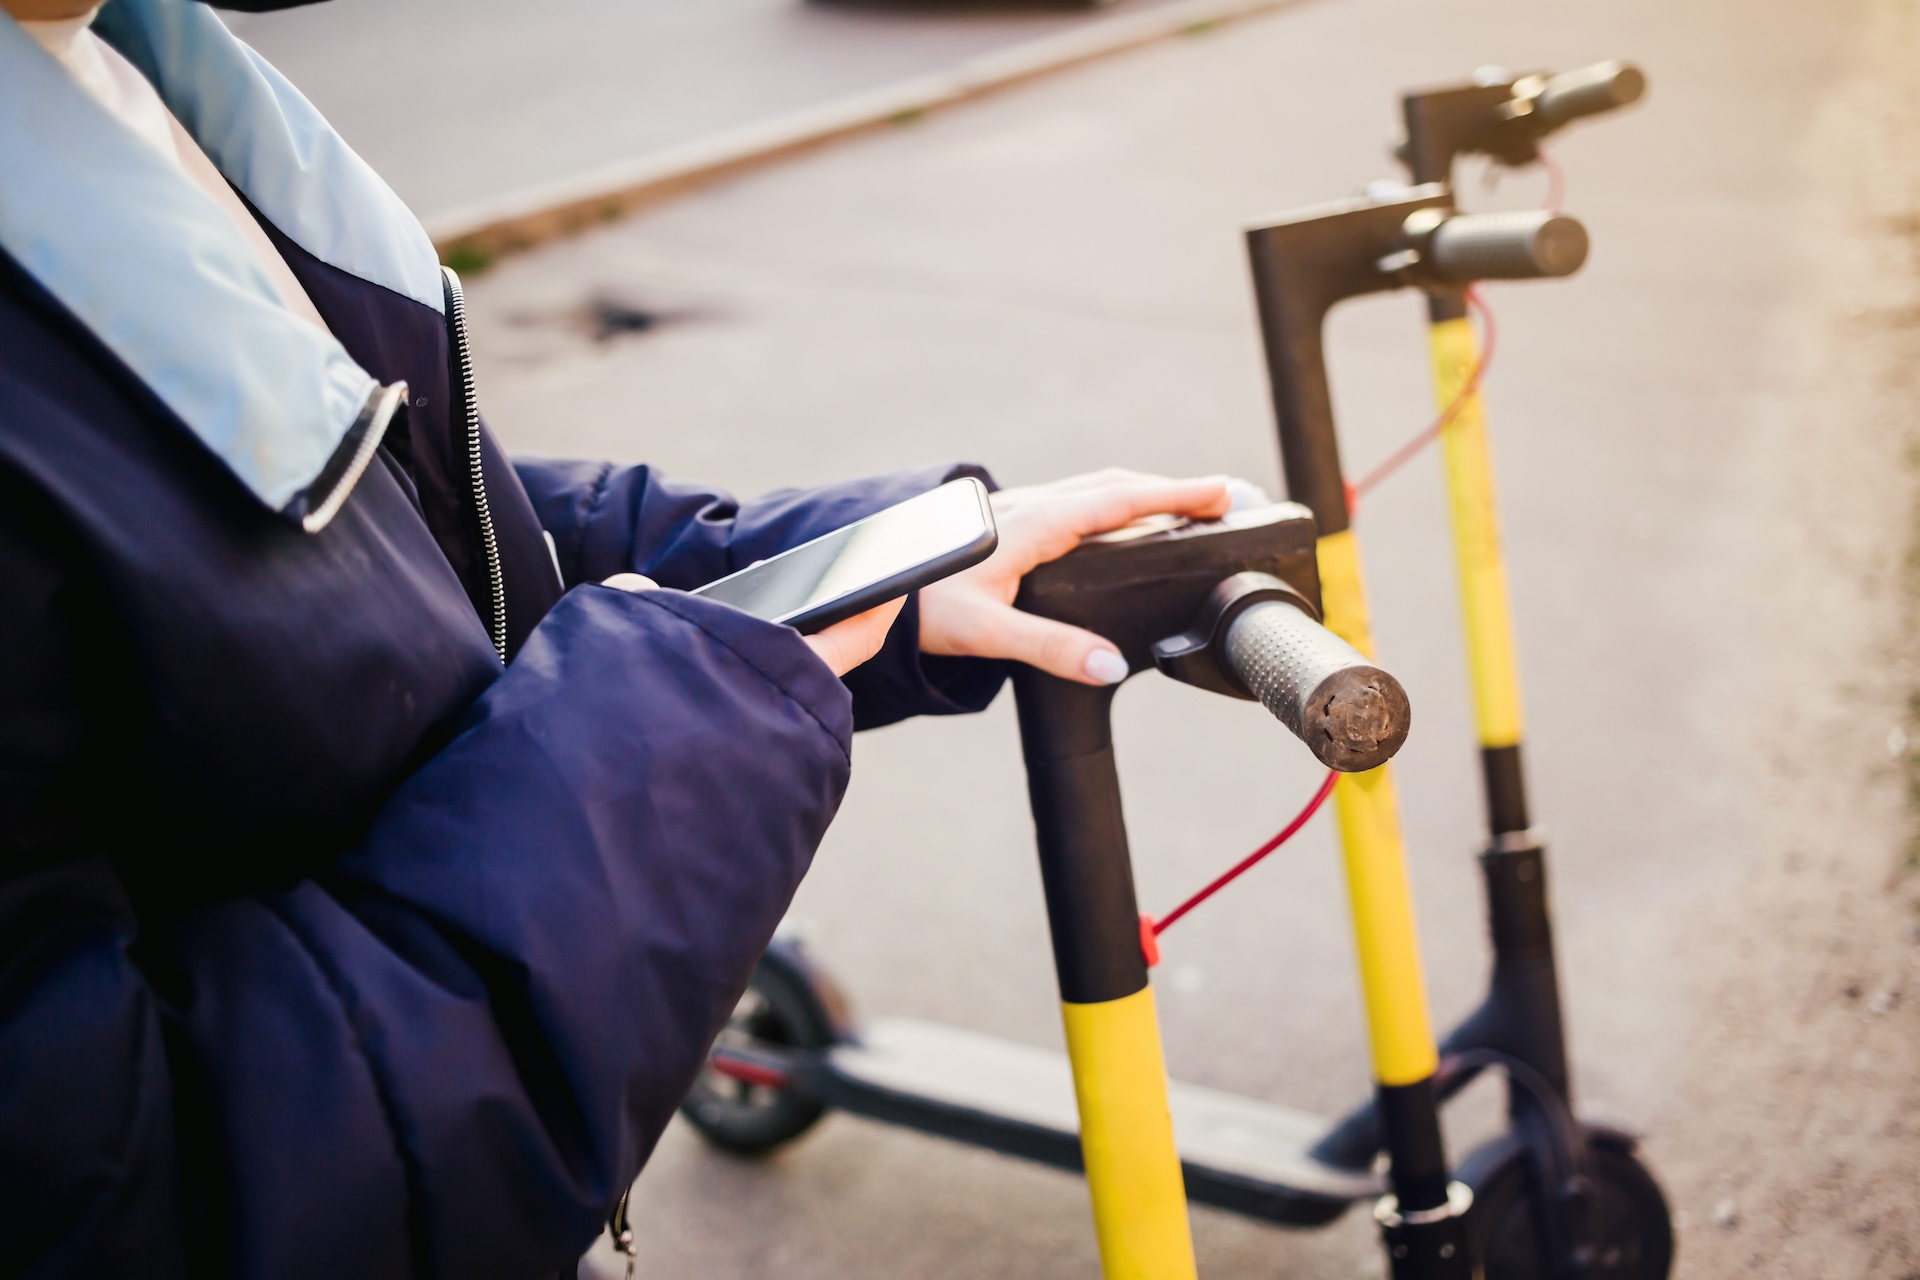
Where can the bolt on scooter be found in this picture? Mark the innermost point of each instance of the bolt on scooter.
(1233, 606)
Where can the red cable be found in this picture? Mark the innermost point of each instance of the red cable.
(1399, 457)
(1556, 192)
(1286, 833)
(1556, 180)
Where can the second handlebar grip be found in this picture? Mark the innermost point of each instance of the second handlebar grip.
(1588, 92)
(1352, 715)
(1525, 245)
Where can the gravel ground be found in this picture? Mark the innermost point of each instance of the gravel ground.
(1705, 444)
(1793, 1139)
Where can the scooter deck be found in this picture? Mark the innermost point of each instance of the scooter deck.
(1244, 1156)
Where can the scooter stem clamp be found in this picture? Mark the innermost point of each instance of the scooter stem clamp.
(1427, 1244)
(1194, 656)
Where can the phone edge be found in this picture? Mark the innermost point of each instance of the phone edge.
(922, 575)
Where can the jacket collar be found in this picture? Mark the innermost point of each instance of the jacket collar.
(150, 264)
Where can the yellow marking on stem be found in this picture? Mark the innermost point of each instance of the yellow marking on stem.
(1126, 1135)
(1343, 596)
(1385, 936)
(1476, 540)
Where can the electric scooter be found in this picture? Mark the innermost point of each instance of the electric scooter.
(1552, 1198)
(1548, 1198)
(1230, 606)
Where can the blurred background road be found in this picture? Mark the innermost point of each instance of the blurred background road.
(455, 101)
(1704, 447)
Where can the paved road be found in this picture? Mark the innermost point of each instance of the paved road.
(462, 100)
(1707, 502)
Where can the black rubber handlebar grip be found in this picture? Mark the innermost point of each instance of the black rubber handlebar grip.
(1350, 713)
(1588, 92)
(1528, 245)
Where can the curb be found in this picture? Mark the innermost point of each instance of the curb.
(470, 238)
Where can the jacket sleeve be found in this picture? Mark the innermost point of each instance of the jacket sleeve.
(511, 984)
(87, 1150)
(607, 519)
(448, 1056)
(86, 1124)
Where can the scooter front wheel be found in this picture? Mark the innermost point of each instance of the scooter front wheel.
(779, 1010)
(1630, 1234)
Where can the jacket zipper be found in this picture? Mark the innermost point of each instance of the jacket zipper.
(476, 467)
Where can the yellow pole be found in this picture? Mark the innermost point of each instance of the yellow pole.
(1126, 1136)
(1476, 539)
(1385, 934)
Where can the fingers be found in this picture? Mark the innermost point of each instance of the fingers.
(1110, 480)
(845, 645)
(1245, 495)
(971, 614)
(631, 582)
(842, 646)
(1056, 648)
(986, 628)
(1097, 508)
(1111, 506)
(1090, 480)
(1044, 526)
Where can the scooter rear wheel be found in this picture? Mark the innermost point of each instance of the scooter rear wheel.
(778, 1011)
(1633, 1229)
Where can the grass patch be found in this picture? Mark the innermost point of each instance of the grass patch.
(466, 258)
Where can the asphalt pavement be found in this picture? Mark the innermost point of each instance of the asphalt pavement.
(458, 101)
(1706, 497)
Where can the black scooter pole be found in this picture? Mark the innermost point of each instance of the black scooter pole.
(1230, 608)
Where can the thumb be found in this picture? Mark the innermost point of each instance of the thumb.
(848, 643)
(1072, 653)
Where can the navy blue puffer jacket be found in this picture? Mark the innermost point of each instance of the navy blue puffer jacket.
(328, 947)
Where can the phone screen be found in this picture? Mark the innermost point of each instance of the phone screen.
(869, 562)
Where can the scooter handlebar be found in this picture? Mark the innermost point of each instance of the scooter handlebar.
(1352, 715)
(1587, 92)
(1526, 245)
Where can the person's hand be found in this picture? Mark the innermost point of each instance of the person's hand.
(971, 614)
(850, 642)
(842, 646)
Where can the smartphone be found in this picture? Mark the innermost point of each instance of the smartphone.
(867, 563)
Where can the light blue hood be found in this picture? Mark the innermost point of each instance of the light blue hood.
(151, 265)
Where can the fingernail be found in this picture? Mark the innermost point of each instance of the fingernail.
(1105, 666)
(631, 582)
(1246, 495)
